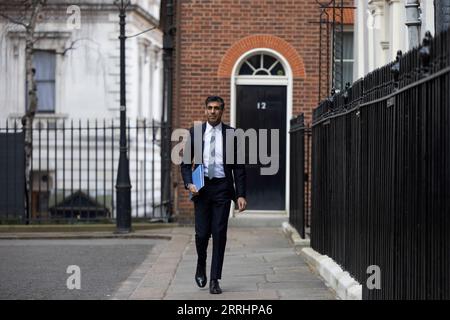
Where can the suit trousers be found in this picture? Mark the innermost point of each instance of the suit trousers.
(212, 208)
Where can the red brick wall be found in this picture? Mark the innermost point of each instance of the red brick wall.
(208, 30)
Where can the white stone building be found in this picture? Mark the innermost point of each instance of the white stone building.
(380, 31)
(77, 73)
(83, 82)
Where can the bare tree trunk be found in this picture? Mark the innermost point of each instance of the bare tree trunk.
(27, 119)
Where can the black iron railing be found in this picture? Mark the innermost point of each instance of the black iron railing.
(300, 187)
(74, 168)
(381, 176)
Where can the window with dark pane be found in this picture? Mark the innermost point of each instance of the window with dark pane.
(262, 72)
(348, 45)
(277, 70)
(245, 70)
(255, 61)
(347, 62)
(268, 61)
(44, 62)
(262, 65)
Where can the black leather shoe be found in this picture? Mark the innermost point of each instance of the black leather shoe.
(214, 287)
(200, 276)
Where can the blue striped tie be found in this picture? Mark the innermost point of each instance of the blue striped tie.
(212, 153)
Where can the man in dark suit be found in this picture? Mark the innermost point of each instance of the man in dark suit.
(224, 181)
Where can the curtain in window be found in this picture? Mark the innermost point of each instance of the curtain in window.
(45, 62)
(348, 45)
(348, 61)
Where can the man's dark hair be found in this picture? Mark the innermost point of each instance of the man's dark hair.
(215, 99)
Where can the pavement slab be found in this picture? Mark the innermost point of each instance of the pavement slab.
(260, 264)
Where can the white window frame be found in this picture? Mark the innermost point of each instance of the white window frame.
(347, 29)
(287, 81)
(51, 41)
(54, 54)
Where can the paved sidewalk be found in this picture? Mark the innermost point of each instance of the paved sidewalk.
(260, 263)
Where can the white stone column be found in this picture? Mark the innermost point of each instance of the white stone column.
(360, 36)
(144, 78)
(157, 84)
(376, 34)
(153, 82)
(427, 16)
(140, 76)
(397, 26)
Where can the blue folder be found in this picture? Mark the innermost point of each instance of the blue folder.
(198, 178)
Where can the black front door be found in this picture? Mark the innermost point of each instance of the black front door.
(264, 107)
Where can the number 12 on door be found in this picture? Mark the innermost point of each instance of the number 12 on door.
(261, 105)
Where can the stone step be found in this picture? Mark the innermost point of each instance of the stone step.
(258, 219)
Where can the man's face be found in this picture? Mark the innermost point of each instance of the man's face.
(213, 112)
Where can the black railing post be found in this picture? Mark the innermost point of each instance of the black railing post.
(166, 117)
(123, 184)
(395, 70)
(381, 179)
(297, 204)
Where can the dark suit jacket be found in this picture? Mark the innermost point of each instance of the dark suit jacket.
(234, 173)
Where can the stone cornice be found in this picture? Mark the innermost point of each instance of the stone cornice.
(100, 7)
(376, 7)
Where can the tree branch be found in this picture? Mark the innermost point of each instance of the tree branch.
(11, 19)
(34, 14)
(71, 47)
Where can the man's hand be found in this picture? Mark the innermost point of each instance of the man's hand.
(193, 189)
(242, 203)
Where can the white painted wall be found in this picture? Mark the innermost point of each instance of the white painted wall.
(87, 88)
(87, 77)
(380, 31)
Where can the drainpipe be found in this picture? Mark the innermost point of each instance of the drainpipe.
(166, 118)
(413, 22)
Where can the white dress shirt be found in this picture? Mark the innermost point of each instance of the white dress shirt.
(218, 168)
